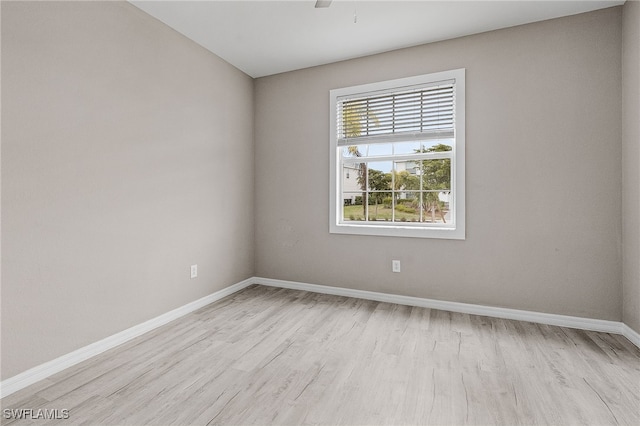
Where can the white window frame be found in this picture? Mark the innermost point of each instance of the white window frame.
(399, 229)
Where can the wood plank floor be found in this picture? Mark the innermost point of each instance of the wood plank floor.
(284, 357)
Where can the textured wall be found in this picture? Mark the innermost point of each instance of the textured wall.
(631, 164)
(127, 155)
(542, 179)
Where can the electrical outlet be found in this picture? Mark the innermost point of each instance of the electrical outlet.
(395, 266)
(194, 271)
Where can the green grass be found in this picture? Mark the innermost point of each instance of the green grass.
(382, 213)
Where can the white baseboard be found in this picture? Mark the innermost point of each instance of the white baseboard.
(42, 371)
(465, 308)
(631, 334)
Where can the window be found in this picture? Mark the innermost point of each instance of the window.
(397, 157)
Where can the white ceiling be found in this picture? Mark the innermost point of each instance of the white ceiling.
(268, 37)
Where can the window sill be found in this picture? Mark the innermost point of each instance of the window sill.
(447, 233)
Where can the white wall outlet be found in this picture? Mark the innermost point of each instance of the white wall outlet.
(194, 271)
(395, 266)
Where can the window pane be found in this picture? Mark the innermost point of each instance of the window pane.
(407, 206)
(353, 207)
(407, 175)
(406, 147)
(379, 206)
(436, 174)
(379, 149)
(437, 145)
(352, 177)
(353, 151)
(435, 207)
(379, 175)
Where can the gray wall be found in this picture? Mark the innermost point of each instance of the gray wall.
(543, 173)
(127, 155)
(631, 165)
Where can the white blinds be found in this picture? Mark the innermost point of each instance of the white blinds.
(416, 113)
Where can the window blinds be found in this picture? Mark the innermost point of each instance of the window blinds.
(415, 113)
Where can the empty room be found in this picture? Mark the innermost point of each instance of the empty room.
(320, 212)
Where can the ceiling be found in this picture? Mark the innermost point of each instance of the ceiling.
(269, 37)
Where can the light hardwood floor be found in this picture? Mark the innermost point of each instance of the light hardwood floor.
(273, 356)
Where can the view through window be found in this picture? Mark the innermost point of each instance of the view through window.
(399, 148)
